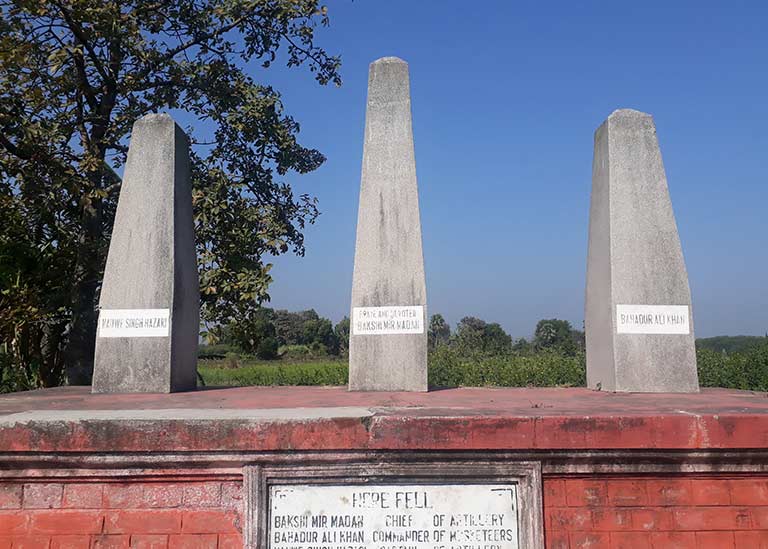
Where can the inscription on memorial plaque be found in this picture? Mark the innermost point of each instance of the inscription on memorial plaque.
(458, 516)
(388, 320)
(652, 319)
(134, 322)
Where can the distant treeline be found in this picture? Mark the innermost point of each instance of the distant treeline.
(311, 351)
(730, 344)
(269, 333)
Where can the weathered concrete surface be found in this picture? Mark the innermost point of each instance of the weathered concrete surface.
(634, 258)
(389, 265)
(331, 418)
(152, 264)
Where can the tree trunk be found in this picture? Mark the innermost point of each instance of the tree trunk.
(81, 343)
(82, 328)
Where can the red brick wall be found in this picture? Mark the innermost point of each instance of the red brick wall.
(103, 514)
(712, 512)
(612, 512)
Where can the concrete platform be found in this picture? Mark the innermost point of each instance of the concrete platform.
(263, 419)
(192, 469)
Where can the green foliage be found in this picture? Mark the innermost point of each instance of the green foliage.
(319, 334)
(220, 350)
(439, 331)
(522, 346)
(74, 76)
(267, 348)
(474, 336)
(730, 344)
(231, 360)
(721, 370)
(12, 378)
(306, 328)
(555, 334)
(250, 332)
(756, 360)
(747, 371)
(449, 368)
(32, 325)
(270, 334)
(319, 373)
(341, 331)
(290, 325)
(302, 352)
(294, 352)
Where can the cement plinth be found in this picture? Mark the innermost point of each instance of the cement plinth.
(330, 418)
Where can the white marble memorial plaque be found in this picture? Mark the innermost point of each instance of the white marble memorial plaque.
(388, 320)
(134, 322)
(652, 319)
(458, 516)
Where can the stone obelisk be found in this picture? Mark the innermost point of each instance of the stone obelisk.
(639, 322)
(388, 338)
(149, 307)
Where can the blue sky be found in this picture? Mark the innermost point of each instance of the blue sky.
(506, 97)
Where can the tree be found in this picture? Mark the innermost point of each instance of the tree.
(255, 333)
(341, 330)
(475, 335)
(469, 334)
(521, 346)
(74, 76)
(290, 325)
(306, 328)
(439, 331)
(496, 340)
(318, 334)
(557, 335)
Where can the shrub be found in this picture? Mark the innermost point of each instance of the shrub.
(219, 350)
(12, 377)
(748, 371)
(294, 352)
(232, 360)
(449, 368)
(267, 348)
(756, 363)
(721, 370)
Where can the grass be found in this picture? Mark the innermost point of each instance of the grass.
(446, 369)
(218, 373)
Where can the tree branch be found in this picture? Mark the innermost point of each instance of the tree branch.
(77, 31)
(14, 149)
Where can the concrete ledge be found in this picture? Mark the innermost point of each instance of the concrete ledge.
(264, 419)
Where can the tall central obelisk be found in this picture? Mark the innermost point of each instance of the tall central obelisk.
(388, 338)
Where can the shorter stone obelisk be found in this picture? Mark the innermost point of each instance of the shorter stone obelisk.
(388, 339)
(150, 299)
(639, 323)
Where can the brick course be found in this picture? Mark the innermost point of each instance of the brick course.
(611, 512)
(651, 512)
(134, 514)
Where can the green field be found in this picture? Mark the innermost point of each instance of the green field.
(746, 370)
(251, 371)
